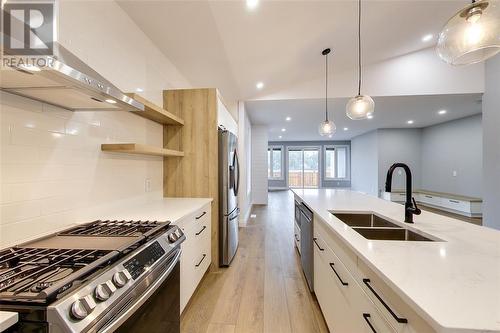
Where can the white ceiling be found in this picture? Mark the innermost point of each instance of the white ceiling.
(225, 45)
(390, 112)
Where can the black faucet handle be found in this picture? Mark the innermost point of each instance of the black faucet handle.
(416, 210)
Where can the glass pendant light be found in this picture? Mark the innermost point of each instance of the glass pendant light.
(360, 106)
(326, 127)
(472, 35)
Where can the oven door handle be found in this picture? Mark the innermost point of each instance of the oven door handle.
(116, 322)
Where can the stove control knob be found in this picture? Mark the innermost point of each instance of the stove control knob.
(104, 291)
(82, 307)
(121, 278)
(173, 237)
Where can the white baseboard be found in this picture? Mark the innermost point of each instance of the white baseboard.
(277, 188)
(243, 221)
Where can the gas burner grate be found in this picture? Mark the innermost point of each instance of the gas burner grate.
(40, 273)
(116, 228)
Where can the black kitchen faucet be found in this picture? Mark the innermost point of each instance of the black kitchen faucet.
(410, 204)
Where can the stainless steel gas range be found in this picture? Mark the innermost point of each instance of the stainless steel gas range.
(103, 276)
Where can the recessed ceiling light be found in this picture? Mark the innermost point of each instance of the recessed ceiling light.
(369, 116)
(410, 122)
(442, 111)
(260, 85)
(110, 101)
(252, 4)
(427, 37)
(331, 135)
(288, 118)
(280, 137)
(345, 128)
(139, 90)
(283, 129)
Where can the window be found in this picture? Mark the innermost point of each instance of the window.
(275, 162)
(336, 162)
(303, 167)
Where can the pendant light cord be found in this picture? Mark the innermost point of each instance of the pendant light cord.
(326, 87)
(359, 47)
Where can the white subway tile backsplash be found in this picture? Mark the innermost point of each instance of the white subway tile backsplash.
(20, 211)
(53, 171)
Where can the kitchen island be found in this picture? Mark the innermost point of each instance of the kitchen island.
(451, 284)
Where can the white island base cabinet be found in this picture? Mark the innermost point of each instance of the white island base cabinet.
(196, 252)
(351, 296)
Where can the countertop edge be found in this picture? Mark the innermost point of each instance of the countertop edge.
(7, 319)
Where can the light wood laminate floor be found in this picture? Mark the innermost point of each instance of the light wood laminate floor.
(264, 289)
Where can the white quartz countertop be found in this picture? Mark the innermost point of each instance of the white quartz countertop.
(164, 209)
(454, 284)
(7, 319)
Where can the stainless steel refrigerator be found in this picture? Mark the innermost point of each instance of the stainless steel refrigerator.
(229, 183)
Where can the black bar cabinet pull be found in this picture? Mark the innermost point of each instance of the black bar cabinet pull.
(315, 242)
(199, 232)
(367, 317)
(199, 217)
(340, 279)
(400, 320)
(203, 258)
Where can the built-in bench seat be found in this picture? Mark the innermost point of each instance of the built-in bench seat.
(459, 204)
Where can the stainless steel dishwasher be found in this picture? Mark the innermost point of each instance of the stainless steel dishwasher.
(306, 244)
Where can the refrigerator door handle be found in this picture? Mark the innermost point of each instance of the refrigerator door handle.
(236, 168)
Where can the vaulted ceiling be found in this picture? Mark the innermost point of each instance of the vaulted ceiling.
(226, 45)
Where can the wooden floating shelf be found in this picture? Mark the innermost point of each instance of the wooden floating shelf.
(155, 113)
(135, 148)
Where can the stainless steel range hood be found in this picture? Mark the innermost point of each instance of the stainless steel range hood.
(67, 82)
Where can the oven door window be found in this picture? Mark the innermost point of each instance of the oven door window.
(160, 313)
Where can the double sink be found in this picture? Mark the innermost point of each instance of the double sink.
(372, 226)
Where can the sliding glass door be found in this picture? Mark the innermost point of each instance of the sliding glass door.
(303, 167)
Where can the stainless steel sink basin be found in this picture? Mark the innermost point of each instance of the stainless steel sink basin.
(396, 234)
(364, 220)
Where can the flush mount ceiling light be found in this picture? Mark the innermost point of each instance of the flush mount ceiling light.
(472, 35)
(442, 111)
(360, 106)
(288, 118)
(410, 122)
(326, 127)
(139, 90)
(345, 128)
(259, 85)
(283, 129)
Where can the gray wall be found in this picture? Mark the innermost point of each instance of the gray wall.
(364, 163)
(491, 143)
(399, 145)
(432, 153)
(453, 146)
(324, 183)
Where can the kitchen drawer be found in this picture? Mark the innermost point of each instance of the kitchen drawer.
(296, 236)
(200, 216)
(321, 231)
(345, 306)
(390, 304)
(459, 205)
(429, 199)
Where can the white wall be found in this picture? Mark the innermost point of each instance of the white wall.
(453, 146)
(259, 165)
(491, 142)
(364, 163)
(417, 73)
(53, 173)
(399, 145)
(245, 149)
